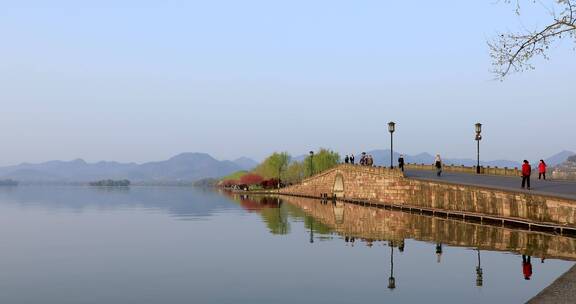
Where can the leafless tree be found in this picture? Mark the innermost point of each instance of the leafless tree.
(513, 51)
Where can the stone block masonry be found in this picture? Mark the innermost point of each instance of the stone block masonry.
(381, 185)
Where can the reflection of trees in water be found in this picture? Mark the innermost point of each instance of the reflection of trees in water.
(276, 214)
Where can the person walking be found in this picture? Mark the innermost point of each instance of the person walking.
(542, 169)
(401, 162)
(526, 171)
(346, 159)
(352, 158)
(438, 165)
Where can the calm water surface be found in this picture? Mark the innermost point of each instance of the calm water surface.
(180, 245)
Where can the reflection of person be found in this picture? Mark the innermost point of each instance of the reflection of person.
(526, 267)
(438, 252)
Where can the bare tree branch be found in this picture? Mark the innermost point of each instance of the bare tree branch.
(512, 52)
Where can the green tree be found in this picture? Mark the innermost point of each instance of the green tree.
(294, 172)
(321, 161)
(274, 165)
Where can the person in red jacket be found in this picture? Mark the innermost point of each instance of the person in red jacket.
(542, 169)
(526, 267)
(526, 171)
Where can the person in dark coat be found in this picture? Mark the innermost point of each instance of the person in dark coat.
(542, 169)
(352, 158)
(438, 165)
(401, 162)
(346, 159)
(526, 171)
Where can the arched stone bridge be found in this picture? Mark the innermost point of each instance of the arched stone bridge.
(384, 186)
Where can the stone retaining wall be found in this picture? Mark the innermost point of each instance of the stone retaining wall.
(471, 170)
(389, 186)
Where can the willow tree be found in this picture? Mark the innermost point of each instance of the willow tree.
(294, 172)
(274, 165)
(514, 51)
(320, 161)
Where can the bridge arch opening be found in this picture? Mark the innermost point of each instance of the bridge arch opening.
(338, 189)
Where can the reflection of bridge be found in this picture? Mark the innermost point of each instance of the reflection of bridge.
(351, 220)
(551, 206)
(484, 201)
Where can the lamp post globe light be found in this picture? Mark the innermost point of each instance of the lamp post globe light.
(478, 128)
(391, 129)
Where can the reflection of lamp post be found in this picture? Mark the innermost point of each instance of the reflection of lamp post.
(478, 128)
(479, 279)
(391, 129)
(391, 279)
(311, 163)
(311, 231)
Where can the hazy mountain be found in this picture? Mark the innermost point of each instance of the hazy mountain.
(185, 167)
(300, 158)
(558, 158)
(245, 163)
(565, 170)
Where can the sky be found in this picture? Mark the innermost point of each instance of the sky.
(145, 80)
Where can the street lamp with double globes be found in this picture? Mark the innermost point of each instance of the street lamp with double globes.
(478, 128)
(391, 129)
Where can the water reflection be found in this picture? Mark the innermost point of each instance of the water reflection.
(479, 278)
(180, 202)
(121, 247)
(371, 225)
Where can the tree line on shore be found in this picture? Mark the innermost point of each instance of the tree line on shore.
(279, 170)
(111, 183)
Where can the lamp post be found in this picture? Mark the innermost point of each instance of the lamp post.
(479, 278)
(391, 279)
(478, 128)
(311, 163)
(311, 230)
(391, 129)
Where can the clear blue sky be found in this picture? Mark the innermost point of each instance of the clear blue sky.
(144, 80)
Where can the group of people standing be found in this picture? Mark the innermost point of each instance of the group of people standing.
(527, 172)
(365, 159)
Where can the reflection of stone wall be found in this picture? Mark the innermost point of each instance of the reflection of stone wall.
(380, 224)
(384, 185)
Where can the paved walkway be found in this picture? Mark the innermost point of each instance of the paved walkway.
(565, 189)
(563, 290)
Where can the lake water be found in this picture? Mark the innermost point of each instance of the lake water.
(181, 245)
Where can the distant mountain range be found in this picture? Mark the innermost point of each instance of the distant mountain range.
(187, 168)
(182, 168)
